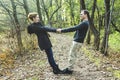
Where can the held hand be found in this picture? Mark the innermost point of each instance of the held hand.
(59, 30)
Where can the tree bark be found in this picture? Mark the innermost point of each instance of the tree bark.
(97, 37)
(39, 11)
(26, 7)
(82, 5)
(108, 13)
(17, 26)
(71, 12)
(92, 18)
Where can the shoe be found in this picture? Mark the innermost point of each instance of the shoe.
(67, 71)
(56, 70)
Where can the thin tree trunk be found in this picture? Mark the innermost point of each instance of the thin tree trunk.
(104, 47)
(39, 11)
(26, 7)
(92, 18)
(71, 11)
(11, 17)
(46, 11)
(82, 5)
(17, 26)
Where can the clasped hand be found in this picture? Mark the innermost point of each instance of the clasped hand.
(58, 30)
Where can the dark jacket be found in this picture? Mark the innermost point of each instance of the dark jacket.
(42, 35)
(81, 30)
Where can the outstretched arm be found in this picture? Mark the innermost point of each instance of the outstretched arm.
(74, 28)
(48, 29)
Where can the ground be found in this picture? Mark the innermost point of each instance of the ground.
(34, 65)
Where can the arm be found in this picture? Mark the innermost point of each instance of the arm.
(44, 28)
(48, 29)
(80, 26)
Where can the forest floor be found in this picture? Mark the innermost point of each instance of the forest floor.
(34, 66)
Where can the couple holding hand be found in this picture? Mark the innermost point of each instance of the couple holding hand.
(45, 44)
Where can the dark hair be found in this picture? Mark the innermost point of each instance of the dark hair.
(86, 12)
(32, 15)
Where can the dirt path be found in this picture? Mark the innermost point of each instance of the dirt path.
(34, 66)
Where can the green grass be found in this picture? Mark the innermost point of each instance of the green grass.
(98, 61)
(114, 42)
(117, 73)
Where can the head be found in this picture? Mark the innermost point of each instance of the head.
(84, 14)
(34, 17)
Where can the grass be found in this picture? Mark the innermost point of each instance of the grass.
(90, 55)
(114, 42)
(98, 60)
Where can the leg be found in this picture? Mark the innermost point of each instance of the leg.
(73, 53)
(52, 63)
(50, 57)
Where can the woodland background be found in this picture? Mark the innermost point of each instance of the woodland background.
(103, 36)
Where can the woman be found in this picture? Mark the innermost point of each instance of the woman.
(44, 41)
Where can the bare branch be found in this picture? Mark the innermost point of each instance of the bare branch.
(115, 27)
(55, 12)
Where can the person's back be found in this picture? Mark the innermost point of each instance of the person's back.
(42, 35)
(80, 34)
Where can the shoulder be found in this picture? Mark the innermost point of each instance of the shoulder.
(30, 29)
(85, 23)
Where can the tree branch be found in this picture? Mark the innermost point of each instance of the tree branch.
(116, 29)
(55, 12)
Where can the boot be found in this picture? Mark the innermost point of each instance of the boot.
(56, 70)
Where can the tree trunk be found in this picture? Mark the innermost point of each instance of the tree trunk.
(104, 47)
(39, 11)
(26, 7)
(82, 5)
(46, 11)
(71, 12)
(97, 37)
(11, 17)
(17, 26)
(92, 18)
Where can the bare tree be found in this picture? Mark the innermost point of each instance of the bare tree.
(96, 32)
(50, 16)
(17, 26)
(115, 27)
(108, 13)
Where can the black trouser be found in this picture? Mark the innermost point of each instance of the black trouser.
(50, 57)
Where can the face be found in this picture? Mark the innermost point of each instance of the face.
(36, 19)
(82, 15)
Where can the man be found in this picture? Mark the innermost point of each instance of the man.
(44, 42)
(79, 36)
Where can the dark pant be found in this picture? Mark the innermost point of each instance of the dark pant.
(51, 60)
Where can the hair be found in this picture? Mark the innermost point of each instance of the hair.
(32, 15)
(88, 16)
(86, 12)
